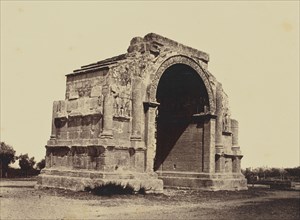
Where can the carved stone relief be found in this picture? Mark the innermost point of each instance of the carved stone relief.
(120, 89)
(60, 111)
(226, 115)
(73, 94)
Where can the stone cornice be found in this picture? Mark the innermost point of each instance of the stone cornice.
(155, 38)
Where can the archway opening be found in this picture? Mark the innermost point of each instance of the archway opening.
(182, 95)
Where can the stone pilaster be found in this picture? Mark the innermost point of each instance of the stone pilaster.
(209, 146)
(235, 133)
(236, 165)
(47, 162)
(219, 158)
(220, 163)
(219, 121)
(236, 162)
(107, 116)
(53, 128)
(150, 108)
(52, 158)
(137, 109)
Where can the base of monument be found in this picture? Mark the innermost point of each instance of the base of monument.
(204, 181)
(81, 180)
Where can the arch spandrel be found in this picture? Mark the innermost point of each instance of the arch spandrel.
(181, 59)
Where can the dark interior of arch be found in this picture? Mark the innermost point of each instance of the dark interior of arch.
(181, 91)
(181, 94)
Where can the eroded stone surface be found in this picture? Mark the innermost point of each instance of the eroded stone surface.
(155, 109)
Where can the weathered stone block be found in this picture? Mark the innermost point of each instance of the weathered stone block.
(154, 110)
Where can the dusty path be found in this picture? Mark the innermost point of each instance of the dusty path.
(19, 200)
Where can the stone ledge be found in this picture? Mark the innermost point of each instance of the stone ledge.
(207, 184)
(233, 155)
(121, 118)
(201, 175)
(95, 142)
(63, 171)
(227, 133)
(71, 181)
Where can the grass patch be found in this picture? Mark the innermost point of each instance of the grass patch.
(114, 189)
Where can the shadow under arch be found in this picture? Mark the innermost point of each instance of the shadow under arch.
(179, 145)
(181, 59)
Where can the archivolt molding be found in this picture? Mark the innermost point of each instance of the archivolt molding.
(181, 59)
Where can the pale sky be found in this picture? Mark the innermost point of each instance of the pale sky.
(253, 47)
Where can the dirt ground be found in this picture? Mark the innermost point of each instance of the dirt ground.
(19, 200)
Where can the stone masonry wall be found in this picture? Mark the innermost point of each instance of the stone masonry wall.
(115, 91)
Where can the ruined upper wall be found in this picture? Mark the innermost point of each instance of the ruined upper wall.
(151, 43)
(156, 44)
(143, 58)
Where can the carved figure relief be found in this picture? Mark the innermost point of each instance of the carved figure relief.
(72, 94)
(60, 109)
(121, 91)
(100, 103)
(226, 115)
(226, 122)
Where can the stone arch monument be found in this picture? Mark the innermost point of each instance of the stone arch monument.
(153, 117)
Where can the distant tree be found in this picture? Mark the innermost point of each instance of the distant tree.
(283, 174)
(41, 165)
(261, 173)
(293, 173)
(26, 163)
(275, 172)
(264, 173)
(7, 156)
(249, 174)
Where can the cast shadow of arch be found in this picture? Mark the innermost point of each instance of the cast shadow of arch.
(181, 94)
